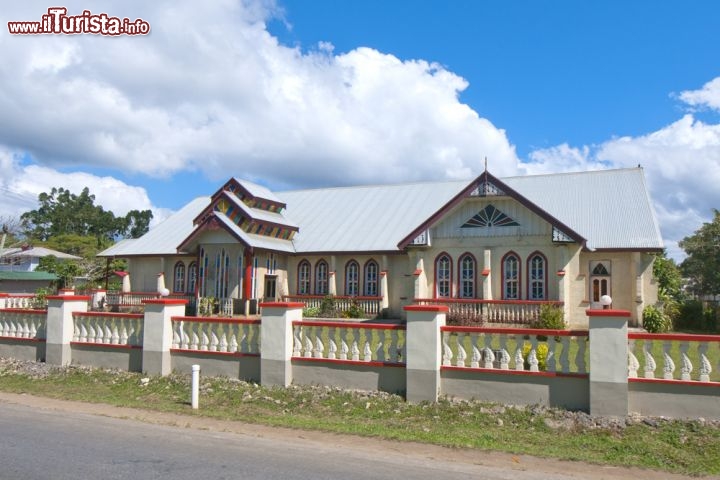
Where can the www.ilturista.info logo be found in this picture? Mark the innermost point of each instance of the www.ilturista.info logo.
(58, 22)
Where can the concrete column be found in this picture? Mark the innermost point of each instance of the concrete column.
(487, 275)
(157, 333)
(66, 291)
(332, 284)
(424, 351)
(59, 329)
(608, 362)
(99, 298)
(3, 300)
(385, 301)
(276, 341)
(421, 286)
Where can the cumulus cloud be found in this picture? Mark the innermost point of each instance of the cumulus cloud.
(681, 163)
(211, 90)
(22, 183)
(708, 96)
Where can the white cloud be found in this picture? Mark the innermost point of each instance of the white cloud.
(681, 163)
(21, 184)
(211, 90)
(708, 96)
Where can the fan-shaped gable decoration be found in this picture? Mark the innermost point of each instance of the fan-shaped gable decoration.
(490, 217)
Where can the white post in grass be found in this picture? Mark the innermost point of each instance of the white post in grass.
(195, 395)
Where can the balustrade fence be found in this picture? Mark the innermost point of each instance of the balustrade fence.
(371, 306)
(524, 350)
(674, 357)
(466, 311)
(674, 375)
(345, 341)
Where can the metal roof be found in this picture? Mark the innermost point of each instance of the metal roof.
(36, 275)
(163, 238)
(258, 191)
(38, 252)
(611, 209)
(262, 215)
(256, 241)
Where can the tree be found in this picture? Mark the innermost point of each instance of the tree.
(66, 270)
(702, 265)
(64, 213)
(668, 277)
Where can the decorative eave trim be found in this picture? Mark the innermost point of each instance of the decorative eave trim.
(202, 227)
(207, 211)
(234, 181)
(464, 193)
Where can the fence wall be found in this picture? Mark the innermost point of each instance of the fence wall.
(604, 370)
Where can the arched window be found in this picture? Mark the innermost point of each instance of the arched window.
(511, 276)
(321, 278)
(352, 274)
(371, 278)
(466, 279)
(303, 287)
(179, 278)
(537, 277)
(192, 277)
(443, 276)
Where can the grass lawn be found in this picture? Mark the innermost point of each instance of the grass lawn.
(673, 446)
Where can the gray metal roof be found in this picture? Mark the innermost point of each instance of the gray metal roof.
(258, 191)
(263, 215)
(611, 209)
(163, 238)
(254, 240)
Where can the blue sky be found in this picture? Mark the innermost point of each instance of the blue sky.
(297, 94)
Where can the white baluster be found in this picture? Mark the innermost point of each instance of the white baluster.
(344, 349)
(505, 358)
(519, 360)
(461, 353)
(447, 351)
(114, 335)
(650, 364)
(394, 348)
(687, 366)
(83, 329)
(550, 364)
(332, 349)
(194, 337)
(308, 347)
(177, 333)
(488, 357)
(245, 338)
(107, 331)
(705, 365)
(580, 357)
(76, 330)
(668, 363)
(233, 341)
(213, 340)
(367, 352)
(123, 331)
(204, 339)
(319, 350)
(633, 363)
(476, 357)
(355, 351)
(297, 343)
(532, 356)
(223, 332)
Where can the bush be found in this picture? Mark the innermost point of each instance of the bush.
(311, 312)
(355, 311)
(654, 320)
(207, 306)
(690, 316)
(328, 308)
(541, 353)
(551, 318)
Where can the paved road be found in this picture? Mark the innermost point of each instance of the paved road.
(46, 439)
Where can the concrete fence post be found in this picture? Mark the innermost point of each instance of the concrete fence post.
(608, 362)
(60, 326)
(158, 335)
(276, 341)
(424, 351)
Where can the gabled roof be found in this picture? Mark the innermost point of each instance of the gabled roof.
(38, 252)
(607, 210)
(480, 187)
(37, 275)
(164, 237)
(250, 212)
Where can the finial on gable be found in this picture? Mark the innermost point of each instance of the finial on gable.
(485, 164)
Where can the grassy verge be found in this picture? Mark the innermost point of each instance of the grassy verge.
(673, 446)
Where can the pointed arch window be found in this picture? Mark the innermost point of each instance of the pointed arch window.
(511, 276)
(371, 278)
(303, 278)
(443, 276)
(537, 277)
(192, 277)
(321, 278)
(179, 278)
(352, 276)
(467, 267)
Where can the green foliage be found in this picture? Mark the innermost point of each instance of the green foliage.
(655, 321)
(669, 279)
(207, 306)
(551, 318)
(541, 353)
(39, 301)
(355, 310)
(66, 270)
(328, 307)
(65, 213)
(693, 316)
(702, 265)
(311, 312)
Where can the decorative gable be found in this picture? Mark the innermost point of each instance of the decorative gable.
(486, 188)
(490, 217)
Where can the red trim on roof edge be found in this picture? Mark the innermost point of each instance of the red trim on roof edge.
(485, 176)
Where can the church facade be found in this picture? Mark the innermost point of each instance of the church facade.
(491, 248)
